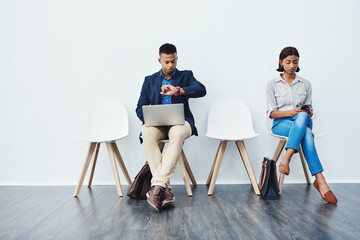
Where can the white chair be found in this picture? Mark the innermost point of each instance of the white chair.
(230, 120)
(279, 149)
(106, 123)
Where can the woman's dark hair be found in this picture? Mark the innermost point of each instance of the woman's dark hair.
(288, 51)
(167, 48)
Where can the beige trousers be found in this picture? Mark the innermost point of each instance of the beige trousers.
(163, 167)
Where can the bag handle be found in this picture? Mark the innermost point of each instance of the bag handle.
(263, 174)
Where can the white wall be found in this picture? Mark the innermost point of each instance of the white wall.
(59, 57)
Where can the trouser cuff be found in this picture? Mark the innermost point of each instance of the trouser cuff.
(292, 147)
(158, 184)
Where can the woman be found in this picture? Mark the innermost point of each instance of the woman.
(289, 104)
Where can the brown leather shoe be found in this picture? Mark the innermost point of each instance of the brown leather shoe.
(167, 198)
(284, 169)
(328, 196)
(154, 197)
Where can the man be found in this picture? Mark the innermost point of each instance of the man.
(167, 86)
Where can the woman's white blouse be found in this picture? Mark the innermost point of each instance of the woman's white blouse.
(281, 97)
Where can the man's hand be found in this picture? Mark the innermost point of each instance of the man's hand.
(169, 90)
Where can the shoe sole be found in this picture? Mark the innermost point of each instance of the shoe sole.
(167, 202)
(147, 195)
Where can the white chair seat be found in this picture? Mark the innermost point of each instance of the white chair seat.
(278, 136)
(233, 138)
(97, 140)
(316, 135)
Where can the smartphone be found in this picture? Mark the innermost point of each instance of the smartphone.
(304, 107)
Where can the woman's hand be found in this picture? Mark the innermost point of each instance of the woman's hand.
(290, 113)
(294, 112)
(309, 111)
(284, 114)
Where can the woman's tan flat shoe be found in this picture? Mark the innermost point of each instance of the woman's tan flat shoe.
(284, 169)
(328, 196)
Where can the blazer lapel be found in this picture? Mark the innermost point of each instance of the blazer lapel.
(176, 78)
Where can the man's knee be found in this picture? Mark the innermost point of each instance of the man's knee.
(178, 134)
(149, 133)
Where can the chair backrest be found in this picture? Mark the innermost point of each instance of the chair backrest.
(105, 122)
(230, 119)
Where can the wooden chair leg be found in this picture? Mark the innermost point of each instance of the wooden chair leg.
(212, 167)
(114, 169)
(277, 153)
(121, 162)
(304, 165)
(218, 162)
(281, 182)
(185, 176)
(279, 149)
(276, 156)
(245, 158)
(94, 164)
(85, 168)
(188, 169)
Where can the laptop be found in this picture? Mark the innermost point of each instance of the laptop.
(163, 115)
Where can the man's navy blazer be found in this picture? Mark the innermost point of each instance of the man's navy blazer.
(150, 93)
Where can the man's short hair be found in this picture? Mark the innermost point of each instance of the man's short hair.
(167, 48)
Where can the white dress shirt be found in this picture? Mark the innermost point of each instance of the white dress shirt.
(282, 97)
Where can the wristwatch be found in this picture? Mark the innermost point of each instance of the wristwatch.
(178, 91)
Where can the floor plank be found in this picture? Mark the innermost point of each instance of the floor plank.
(6, 191)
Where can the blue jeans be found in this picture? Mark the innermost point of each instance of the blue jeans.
(298, 129)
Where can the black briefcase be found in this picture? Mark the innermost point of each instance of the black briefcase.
(268, 185)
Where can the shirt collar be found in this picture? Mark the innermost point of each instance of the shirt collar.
(172, 75)
(297, 79)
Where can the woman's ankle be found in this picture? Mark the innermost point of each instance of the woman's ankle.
(320, 178)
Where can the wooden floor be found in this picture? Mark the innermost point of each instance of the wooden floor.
(233, 212)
